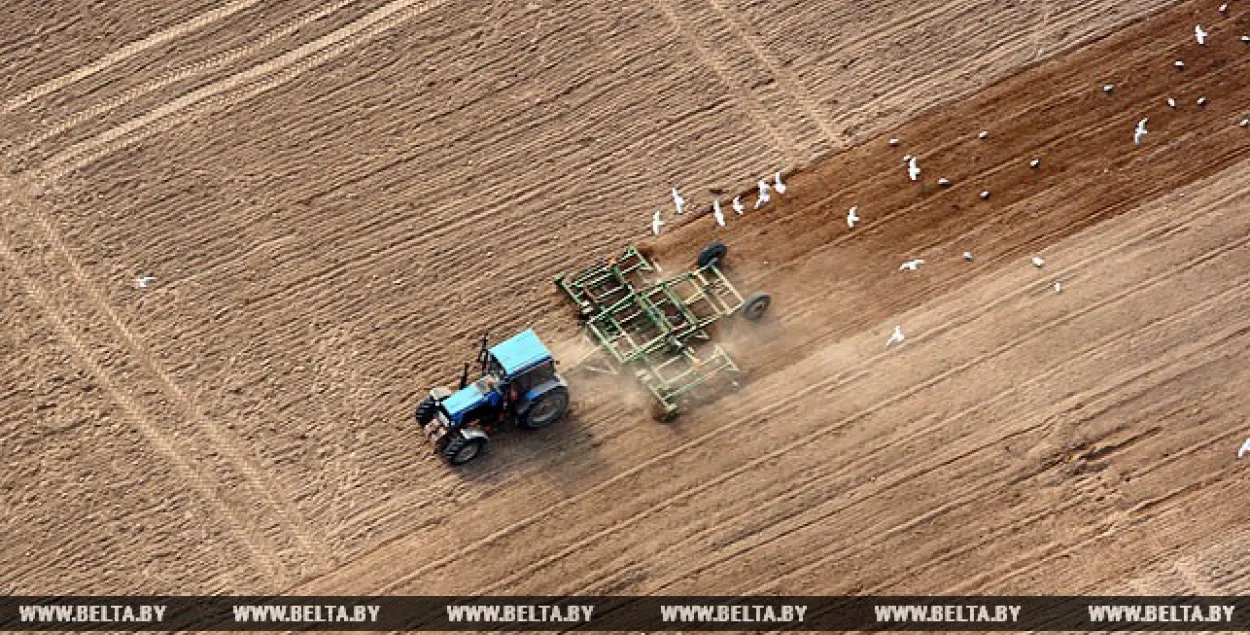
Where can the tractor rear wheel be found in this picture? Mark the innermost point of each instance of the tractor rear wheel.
(426, 411)
(713, 253)
(545, 410)
(461, 449)
(755, 306)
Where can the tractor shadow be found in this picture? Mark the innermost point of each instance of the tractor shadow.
(566, 454)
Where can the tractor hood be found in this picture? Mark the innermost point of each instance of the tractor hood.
(463, 401)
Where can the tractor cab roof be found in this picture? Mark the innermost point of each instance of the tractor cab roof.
(520, 353)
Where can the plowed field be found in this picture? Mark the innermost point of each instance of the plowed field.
(336, 199)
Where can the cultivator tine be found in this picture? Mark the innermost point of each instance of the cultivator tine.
(649, 326)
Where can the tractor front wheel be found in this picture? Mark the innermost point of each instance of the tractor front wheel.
(460, 449)
(545, 410)
(426, 411)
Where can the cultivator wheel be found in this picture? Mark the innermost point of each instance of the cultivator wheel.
(653, 328)
(756, 305)
(663, 413)
(713, 254)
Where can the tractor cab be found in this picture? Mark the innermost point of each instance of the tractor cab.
(510, 369)
(518, 383)
(522, 363)
(519, 356)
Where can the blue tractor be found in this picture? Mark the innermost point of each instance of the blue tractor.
(518, 385)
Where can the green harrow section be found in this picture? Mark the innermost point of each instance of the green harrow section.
(606, 283)
(655, 326)
(680, 373)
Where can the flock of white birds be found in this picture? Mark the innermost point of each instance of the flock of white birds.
(913, 174)
(1139, 135)
(679, 203)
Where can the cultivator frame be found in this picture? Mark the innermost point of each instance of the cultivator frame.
(656, 327)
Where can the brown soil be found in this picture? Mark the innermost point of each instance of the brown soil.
(336, 199)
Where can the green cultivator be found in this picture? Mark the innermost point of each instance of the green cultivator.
(659, 328)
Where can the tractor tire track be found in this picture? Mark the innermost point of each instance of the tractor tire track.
(1220, 439)
(781, 141)
(262, 553)
(248, 84)
(126, 52)
(790, 84)
(221, 60)
(1001, 533)
(240, 457)
(932, 514)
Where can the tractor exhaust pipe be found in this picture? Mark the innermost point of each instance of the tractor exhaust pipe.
(464, 377)
(482, 355)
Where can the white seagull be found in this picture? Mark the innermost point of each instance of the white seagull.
(763, 197)
(1108, 88)
(1245, 449)
(738, 208)
(679, 202)
(895, 338)
(1038, 262)
(1224, 8)
(985, 195)
(777, 184)
(943, 182)
(142, 282)
(852, 217)
(911, 265)
(985, 134)
(1171, 102)
(1200, 35)
(913, 170)
(1140, 132)
(656, 223)
(1058, 287)
(720, 217)
(1035, 163)
(968, 256)
(1179, 64)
